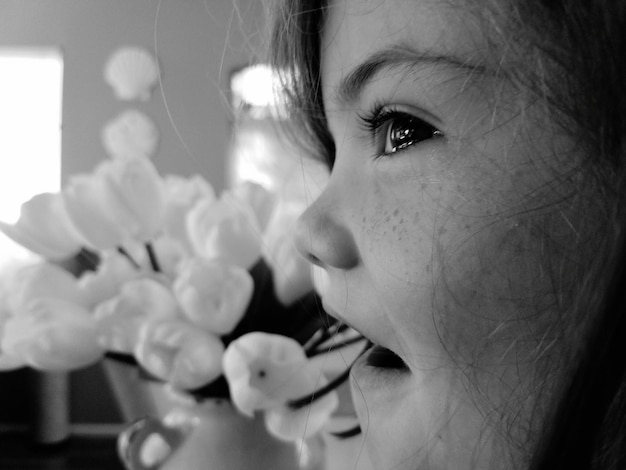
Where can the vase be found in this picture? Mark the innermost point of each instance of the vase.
(172, 431)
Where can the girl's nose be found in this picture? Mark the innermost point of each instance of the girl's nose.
(323, 235)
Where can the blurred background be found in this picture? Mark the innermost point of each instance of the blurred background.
(55, 103)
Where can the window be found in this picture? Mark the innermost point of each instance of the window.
(30, 133)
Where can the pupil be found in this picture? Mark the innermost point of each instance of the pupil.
(405, 132)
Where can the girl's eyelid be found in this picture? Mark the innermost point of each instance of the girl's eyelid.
(381, 110)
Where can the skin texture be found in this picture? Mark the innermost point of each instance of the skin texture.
(450, 251)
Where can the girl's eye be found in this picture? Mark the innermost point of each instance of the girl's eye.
(394, 131)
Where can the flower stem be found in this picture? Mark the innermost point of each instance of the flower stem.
(348, 342)
(121, 250)
(324, 334)
(326, 389)
(316, 395)
(154, 262)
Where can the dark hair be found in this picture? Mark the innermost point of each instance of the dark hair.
(572, 55)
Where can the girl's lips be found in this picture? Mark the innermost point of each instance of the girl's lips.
(375, 356)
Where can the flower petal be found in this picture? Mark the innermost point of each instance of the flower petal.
(43, 281)
(291, 271)
(225, 229)
(45, 228)
(52, 334)
(120, 318)
(134, 195)
(213, 294)
(113, 271)
(86, 201)
(180, 196)
(262, 369)
(179, 353)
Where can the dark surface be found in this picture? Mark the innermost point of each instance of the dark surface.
(93, 452)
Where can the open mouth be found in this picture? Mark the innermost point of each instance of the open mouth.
(383, 358)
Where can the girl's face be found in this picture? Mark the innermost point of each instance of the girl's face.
(440, 235)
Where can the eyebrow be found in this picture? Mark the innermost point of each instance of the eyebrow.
(351, 86)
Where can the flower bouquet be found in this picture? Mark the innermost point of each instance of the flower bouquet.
(203, 294)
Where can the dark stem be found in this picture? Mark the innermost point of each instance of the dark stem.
(326, 389)
(122, 251)
(317, 394)
(324, 334)
(334, 346)
(88, 259)
(154, 262)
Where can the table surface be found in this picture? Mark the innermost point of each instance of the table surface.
(78, 452)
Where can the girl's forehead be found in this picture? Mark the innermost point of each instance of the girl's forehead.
(356, 28)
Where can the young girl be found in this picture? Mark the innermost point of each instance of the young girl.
(472, 226)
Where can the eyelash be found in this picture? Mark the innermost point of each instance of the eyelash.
(377, 123)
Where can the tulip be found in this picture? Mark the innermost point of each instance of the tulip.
(261, 200)
(291, 271)
(120, 318)
(121, 199)
(226, 229)
(52, 334)
(43, 281)
(45, 228)
(179, 353)
(213, 294)
(180, 195)
(113, 271)
(264, 371)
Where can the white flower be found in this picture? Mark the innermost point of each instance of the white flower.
(43, 281)
(291, 271)
(105, 282)
(45, 228)
(123, 198)
(226, 229)
(264, 371)
(261, 200)
(181, 194)
(52, 334)
(120, 318)
(178, 352)
(213, 294)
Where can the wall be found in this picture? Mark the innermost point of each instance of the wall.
(198, 44)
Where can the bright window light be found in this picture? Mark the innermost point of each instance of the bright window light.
(30, 132)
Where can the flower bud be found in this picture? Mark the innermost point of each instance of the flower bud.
(225, 229)
(45, 228)
(179, 353)
(264, 371)
(43, 281)
(180, 196)
(261, 200)
(291, 271)
(120, 318)
(122, 198)
(52, 334)
(213, 294)
(113, 271)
